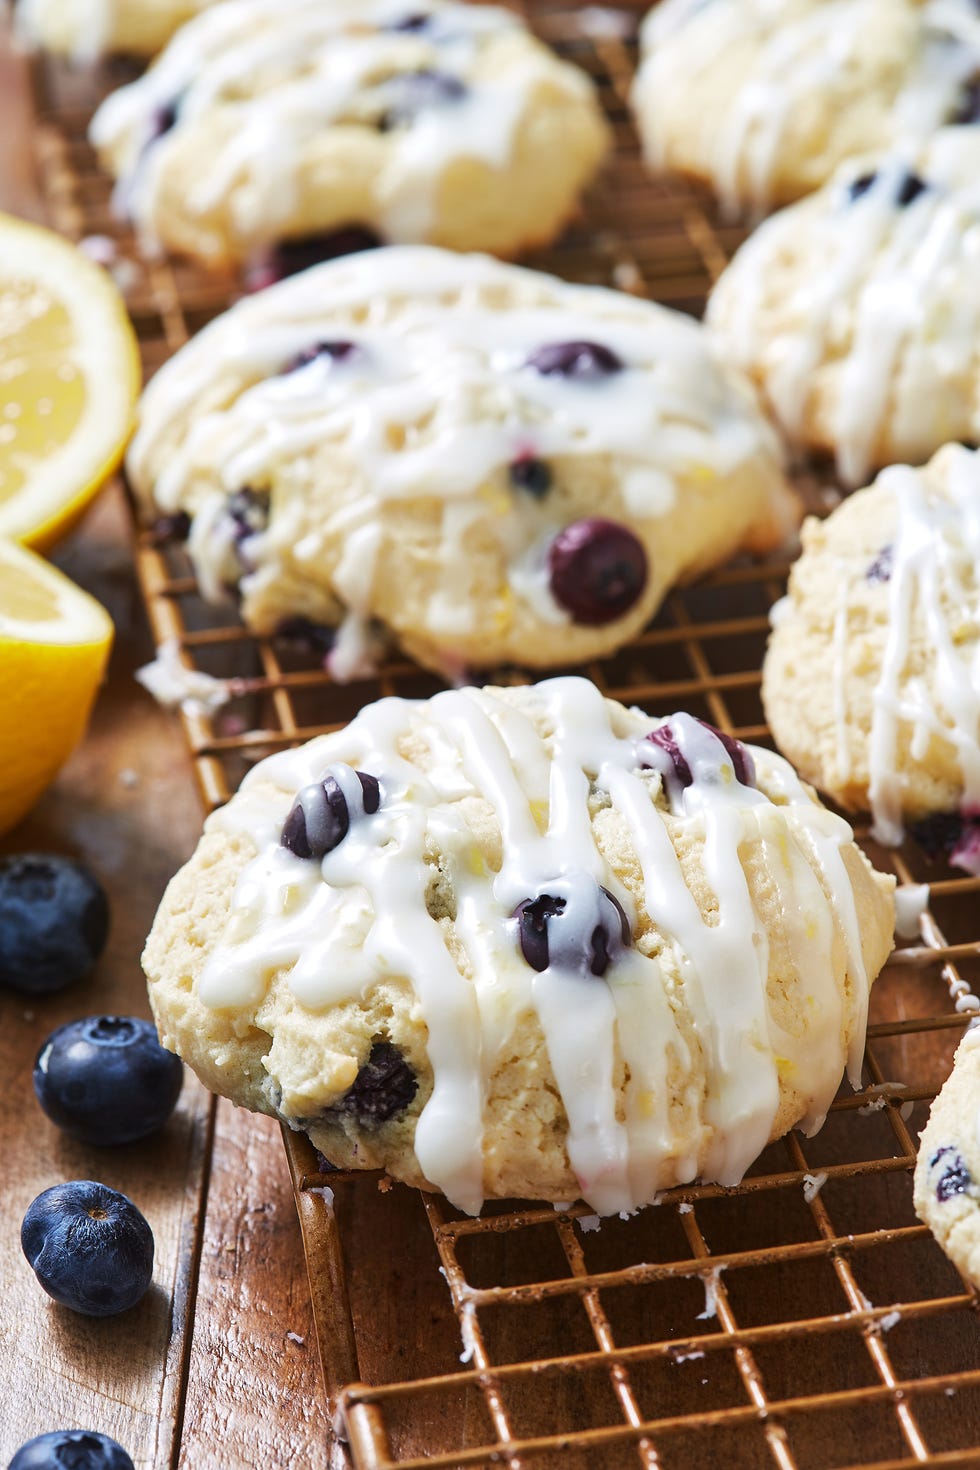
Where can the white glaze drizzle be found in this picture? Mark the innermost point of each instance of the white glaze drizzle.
(437, 402)
(343, 925)
(895, 303)
(292, 72)
(840, 683)
(911, 902)
(802, 51)
(935, 555)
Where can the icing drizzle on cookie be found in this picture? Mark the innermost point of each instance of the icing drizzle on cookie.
(275, 78)
(802, 50)
(933, 578)
(893, 307)
(439, 401)
(695, 1022)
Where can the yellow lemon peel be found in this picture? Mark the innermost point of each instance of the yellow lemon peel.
(69, 380)
(54, 645)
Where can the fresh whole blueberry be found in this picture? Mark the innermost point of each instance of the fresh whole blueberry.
(319, 818)
(955, 1177)
(597, 570)
(417, 91)
(883, 565)
(909, 189)
(107, 1079)
(664, 738)
(54, 920)
(383, 1087)
(532, 475)
(322, 352)
(167, 529)
(89, 1246)
(550, 934)
(585, 362)
(71, 1449)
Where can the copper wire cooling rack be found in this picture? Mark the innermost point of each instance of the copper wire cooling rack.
(805, 1320)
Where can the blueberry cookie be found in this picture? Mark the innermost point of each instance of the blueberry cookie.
(947, 1171)
(525, 942)
(86, 29)
(443, 122)
(871, 682)
(763, 99)
(857, 311)
(487, 462)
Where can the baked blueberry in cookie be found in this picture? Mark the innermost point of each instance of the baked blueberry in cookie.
(532, 475)
(301, 127)
(384, 1087)
(320, 817)
(946, 1193)
(579, 927)
(905, 188)
(565, 948)
(951, 1174)
(597, 570)
(880, 570)
(487, 464)
(581, 361)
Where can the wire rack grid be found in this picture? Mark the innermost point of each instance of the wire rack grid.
(806, 1319)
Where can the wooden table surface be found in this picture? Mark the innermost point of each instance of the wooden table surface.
(217, 1366)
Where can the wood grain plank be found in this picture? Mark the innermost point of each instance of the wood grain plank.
(254, 1384)
(124, 804)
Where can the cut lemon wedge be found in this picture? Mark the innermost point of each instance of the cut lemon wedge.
(69, 379)
(54, 645)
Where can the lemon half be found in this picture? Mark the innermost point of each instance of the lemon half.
(69, 379)
(54, 645)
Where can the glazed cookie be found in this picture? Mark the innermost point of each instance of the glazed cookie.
(491, 464)
(763, 99)
(871, 682)
(857, 311)
(86, 29)
(947, 1171)
(525, 942)
(443, 122)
